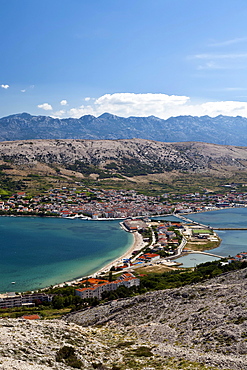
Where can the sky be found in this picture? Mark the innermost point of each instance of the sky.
(68, 58)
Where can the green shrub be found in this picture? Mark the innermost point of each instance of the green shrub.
(67, 355)
(142, 351)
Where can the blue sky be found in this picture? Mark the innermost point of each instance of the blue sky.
(67, 58)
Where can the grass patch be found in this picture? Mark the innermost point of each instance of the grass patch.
(199, 246)
(45, 313)
(157, 269)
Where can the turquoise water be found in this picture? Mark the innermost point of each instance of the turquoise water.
(231, 217)
(233, 241)
(191, 260)
(39, 252)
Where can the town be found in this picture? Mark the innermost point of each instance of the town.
(120, 204)
(162, 241)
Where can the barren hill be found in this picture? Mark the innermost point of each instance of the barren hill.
(204, 322)
(114, 154)
(134, 164)
(199, 327)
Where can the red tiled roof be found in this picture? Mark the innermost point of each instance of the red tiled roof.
(150, 255)
(93, 281)
(31, 317)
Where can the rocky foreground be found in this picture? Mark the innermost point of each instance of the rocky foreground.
(196, 327)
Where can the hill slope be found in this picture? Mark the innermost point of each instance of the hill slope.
(205, 322)
(219, 130)
(126, 164)
(197, 327)
(115, 155)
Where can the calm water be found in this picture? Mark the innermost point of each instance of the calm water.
(232, 217)
(233, 242)
(39, 252)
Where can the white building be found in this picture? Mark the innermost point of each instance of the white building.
(97, 290)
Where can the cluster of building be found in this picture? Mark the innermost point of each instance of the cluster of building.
(117, 203)
(90, 202)
(10, 300)
(95, 287)
(196, 202)
(239, 257)
(148, 258)
(166, 236)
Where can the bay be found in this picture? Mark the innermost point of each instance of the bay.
(233, 241)
(39, 252)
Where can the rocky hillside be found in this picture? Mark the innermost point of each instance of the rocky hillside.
(219, 130)
(128, 157)
(206, 322)
(196, 327)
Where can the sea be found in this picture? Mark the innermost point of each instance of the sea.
(39, 252)
(233, 241)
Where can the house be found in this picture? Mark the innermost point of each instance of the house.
(31, 317)
(149, 257)
(16, 300)
(95, 291)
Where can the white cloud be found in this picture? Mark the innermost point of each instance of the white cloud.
(237, 40)
(139, 104)
(130, 104)
(5, 87)
(87, 99)
(58, 114)
(63, 102)
(45, 106)
(234, 89)
(23, 90)
(217, 61)
(220, 56)
(82, 111)
(211, 65)
(159, 105)
(228, 108)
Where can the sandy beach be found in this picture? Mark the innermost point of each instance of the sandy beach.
(138, 244)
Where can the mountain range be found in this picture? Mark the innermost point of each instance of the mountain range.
(219, 130)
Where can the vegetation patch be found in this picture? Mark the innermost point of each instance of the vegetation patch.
(142, 351)
(67, 355)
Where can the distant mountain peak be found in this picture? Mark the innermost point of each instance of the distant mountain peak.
(23, 115)
(218, 130)
(87, 116)
(108, 116)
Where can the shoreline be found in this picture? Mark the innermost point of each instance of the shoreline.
(137, 244)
